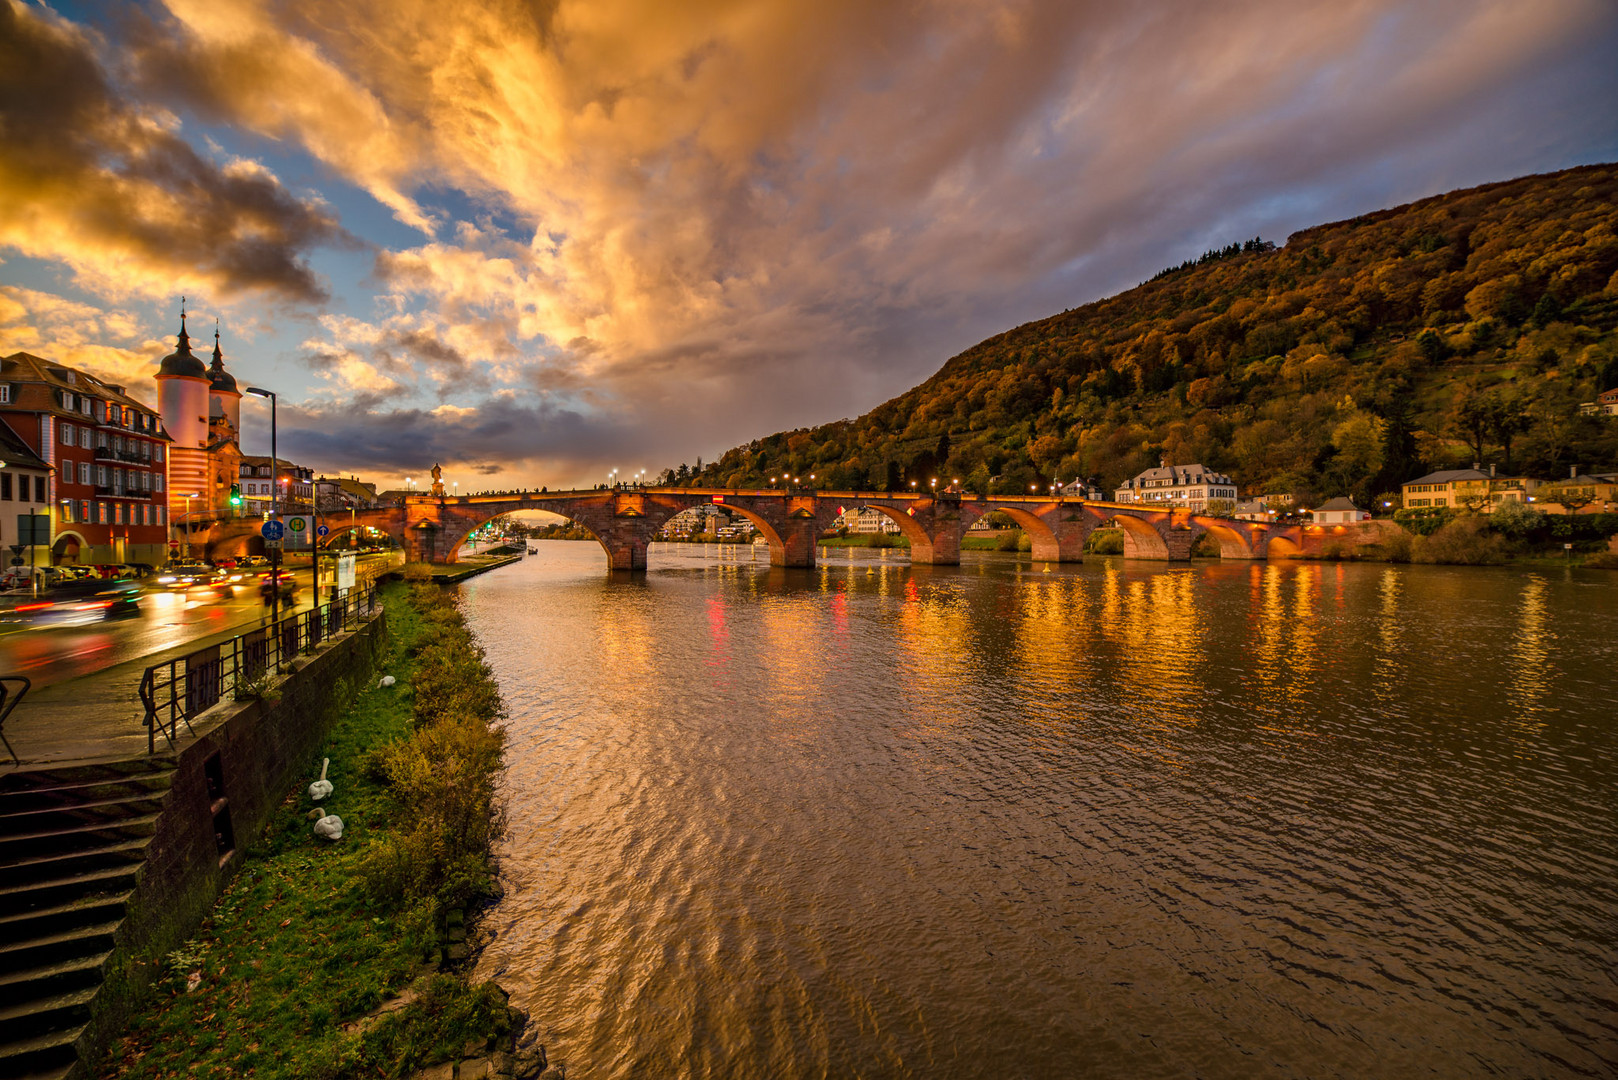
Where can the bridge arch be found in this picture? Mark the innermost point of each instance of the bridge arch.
(1233, 543)
(1141, 538)
(769, 532)
(1042, 540)
(909, 528)
(1283, 547)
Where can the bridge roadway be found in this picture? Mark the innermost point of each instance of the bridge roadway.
(626, 521)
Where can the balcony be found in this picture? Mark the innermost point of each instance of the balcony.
(107, 453)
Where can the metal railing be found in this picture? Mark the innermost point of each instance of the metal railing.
(179, 690)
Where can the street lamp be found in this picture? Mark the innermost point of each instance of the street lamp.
(275, 505)
(188, 499)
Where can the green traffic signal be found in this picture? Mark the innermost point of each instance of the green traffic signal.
(235, 494)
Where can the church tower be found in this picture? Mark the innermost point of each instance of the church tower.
(182, 401)
(223, 397)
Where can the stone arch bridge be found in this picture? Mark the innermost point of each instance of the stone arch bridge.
(626, 521)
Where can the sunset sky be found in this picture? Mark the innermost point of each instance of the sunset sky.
(537, 241)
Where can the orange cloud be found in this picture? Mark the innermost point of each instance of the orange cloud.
(112, 191)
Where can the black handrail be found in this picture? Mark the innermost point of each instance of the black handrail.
(178, 690)
(7, 703)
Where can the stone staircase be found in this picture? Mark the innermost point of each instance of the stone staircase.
(72, 841)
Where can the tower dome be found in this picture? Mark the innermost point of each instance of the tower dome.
(220, 381)
(181, 364)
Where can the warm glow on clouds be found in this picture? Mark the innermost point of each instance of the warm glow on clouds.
(650, 230)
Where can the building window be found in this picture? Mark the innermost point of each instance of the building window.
(158, 482)
(67, 433)
(5, 486)
(84, 472)
(102, 515)
(39, 489)
(157, 454)
(84, 510)
(161, 513)
(117, 513)
(5, 393)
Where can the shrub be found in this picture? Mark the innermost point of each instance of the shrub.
(1010, 540)
(1339, 551)
(1516, 520)
(1423, 521)
(1105, 542)
(1466, 541)
(1396, 546)
(444, 773)
(416, 572)
(1024, 542)
(882, 540)
(1603, 560)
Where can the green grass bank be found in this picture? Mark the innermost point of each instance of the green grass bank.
(329, 959)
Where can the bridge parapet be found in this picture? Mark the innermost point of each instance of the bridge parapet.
(626, 521)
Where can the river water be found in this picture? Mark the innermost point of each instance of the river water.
(1115, 819)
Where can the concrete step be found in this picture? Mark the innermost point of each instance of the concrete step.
(47, 980)
(85, 773)
(63, 946)
(37, 818)
(39, 1054)
(58, 1012)
(75, 793)
(78, 836)
(58, 865)
(57, 918)
(21, 897)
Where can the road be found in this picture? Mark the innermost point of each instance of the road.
(50, 655)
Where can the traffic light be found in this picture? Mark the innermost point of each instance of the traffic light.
(235, 494)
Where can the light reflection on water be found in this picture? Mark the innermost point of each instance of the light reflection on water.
(1117, 819)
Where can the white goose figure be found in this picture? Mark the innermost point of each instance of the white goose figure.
(330, 827)
(322, 787)
(387, 680)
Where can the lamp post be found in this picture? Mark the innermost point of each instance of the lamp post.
(275, 505)
(187, 520)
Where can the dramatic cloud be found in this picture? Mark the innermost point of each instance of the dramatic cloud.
(114, 192)
(657, 229)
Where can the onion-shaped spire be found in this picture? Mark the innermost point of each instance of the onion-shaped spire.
(180, 363)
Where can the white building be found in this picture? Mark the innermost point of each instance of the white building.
(1084, 490)
(1185, 486)
(1339, 511)
(864, 519)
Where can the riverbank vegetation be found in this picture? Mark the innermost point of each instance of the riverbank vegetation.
(311, 936)
(1513, 532)
(1465, 327)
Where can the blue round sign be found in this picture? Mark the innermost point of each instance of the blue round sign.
(272, 530)
(321, 530)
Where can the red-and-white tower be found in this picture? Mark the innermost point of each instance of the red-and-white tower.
(182, 401)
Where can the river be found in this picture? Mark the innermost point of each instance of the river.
(1116, 819)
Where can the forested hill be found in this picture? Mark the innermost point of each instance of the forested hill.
(1464, 327)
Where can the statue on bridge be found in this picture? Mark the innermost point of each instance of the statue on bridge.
(438, 480)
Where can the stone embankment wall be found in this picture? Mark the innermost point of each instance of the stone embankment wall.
(226, 785)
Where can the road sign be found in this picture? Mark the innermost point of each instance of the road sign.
(34, 529)
(272, 545)
(272, 530)
(345, 570)
(322, 530)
